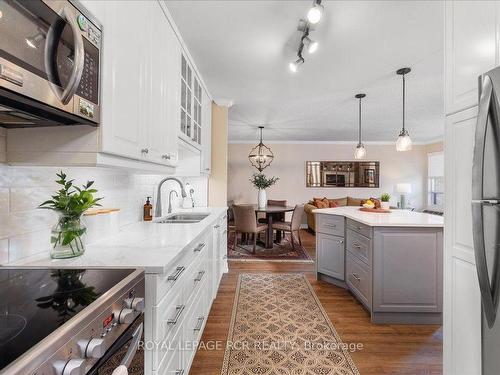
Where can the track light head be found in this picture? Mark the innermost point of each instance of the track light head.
(295, 65)
(310, 45)
(315, 12)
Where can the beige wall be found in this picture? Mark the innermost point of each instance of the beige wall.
(217, 183)
(289, 166)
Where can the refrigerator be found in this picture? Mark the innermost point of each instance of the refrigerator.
(486, 216)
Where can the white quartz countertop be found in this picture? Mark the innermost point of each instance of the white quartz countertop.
(148, 245)
(395, 218)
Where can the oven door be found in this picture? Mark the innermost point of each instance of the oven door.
(126, 355)
(43, 52)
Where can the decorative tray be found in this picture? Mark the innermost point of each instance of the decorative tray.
(376, 210)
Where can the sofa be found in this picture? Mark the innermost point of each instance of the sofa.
(310, 206)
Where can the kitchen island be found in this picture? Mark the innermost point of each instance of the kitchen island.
(183, 263)
(391, 262)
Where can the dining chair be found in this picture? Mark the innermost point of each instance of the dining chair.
(246, 223)
(292, 226)
(276, 217)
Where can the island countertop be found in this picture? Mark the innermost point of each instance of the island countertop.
(395, 218)
(147, 245)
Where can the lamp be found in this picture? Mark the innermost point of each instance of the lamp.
(360, 152)
(403, 188)
(315, 12)
(261, 156)
(403, 142)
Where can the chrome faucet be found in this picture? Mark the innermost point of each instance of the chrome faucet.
(170, 199)
(158, 194)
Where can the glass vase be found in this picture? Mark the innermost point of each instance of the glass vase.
(67, 237)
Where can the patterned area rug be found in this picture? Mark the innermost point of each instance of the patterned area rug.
(278, 327)
(282, 252)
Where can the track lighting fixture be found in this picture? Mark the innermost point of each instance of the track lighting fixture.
(315, 12)
(295, 65)
(310, 45)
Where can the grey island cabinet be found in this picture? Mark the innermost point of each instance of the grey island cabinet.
(392, 262)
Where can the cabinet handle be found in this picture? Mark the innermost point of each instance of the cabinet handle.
(359, 228)
(200, 276)
(340, 242)
(357, 246)
(216, 226)
(355, 276)
(330, 225)
(178, 311)
(177, 273)
(199, 247)
(166, 156)
(144, 151)
(179, 372)
(207, 169)
(201, 319)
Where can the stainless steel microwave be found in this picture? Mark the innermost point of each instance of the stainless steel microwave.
(49, 64)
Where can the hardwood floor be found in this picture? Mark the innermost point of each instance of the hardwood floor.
(387, 349)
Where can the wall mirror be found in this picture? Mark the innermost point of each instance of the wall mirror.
(342, 174)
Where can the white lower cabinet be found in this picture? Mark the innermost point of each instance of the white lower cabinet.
(178, 303)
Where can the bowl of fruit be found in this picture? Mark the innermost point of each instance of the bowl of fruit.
(369, 204)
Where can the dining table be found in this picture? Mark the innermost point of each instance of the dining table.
(271, 212)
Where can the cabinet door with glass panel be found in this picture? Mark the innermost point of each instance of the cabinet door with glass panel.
(191, 103)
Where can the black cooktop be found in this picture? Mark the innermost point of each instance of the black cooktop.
(34, 303)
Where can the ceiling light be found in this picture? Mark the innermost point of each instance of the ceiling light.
(314, 14)
(360, 152)
(403, 142)
(261, 156)
(311, 45)
(295, 65)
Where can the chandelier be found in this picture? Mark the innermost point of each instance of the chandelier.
(261, 156)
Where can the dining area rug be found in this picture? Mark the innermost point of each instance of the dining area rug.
(279, 327)
(281, 252)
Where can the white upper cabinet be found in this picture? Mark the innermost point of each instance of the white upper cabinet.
(206, 134)
(124, 69)
(472, 48)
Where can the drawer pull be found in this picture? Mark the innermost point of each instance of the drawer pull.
(340, 242)
(201, 319)
(330, 225)
(178, 311)
(179, 372)
(355, 276)
(216, 226)
(199, 247)
(177, 273)
(200, 276)
(359, 228)
(357, 246)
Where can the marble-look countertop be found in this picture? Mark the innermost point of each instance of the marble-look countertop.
(395, 218)
(149, 245)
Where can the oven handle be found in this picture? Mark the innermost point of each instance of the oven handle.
(132, 350)
(78, 65)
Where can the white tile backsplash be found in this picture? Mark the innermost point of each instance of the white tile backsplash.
(25, 229)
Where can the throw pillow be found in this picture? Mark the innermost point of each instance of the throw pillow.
(332, 203)
(354, 201)
(320, 203)
(339, 201)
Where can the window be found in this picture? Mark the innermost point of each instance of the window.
(190, 103)
(435, 187)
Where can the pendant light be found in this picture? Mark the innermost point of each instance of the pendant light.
(261, 156)
(403, 142)
(360, 152)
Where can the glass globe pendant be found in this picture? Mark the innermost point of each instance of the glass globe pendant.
(360, 152)
(403, 143)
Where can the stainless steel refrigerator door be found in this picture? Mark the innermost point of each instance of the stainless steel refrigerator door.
(486, 216)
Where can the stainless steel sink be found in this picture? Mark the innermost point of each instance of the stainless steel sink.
(186, 217)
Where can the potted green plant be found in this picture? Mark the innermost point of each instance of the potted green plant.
(70, 202)
(261, 182)
(384, 201)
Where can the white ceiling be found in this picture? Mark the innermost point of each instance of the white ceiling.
(242, 49)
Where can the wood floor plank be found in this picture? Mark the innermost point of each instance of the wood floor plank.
(387, 349)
